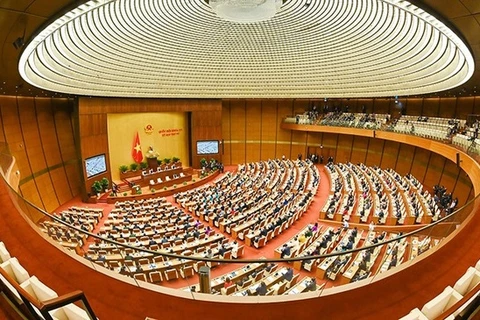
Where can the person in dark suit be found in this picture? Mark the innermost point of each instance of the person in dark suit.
(393, 262)
(286, 251)
(288, 275)
(261, 289)
(222, 250)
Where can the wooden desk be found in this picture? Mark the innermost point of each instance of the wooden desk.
(161, 174)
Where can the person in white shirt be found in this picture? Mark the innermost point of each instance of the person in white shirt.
(234, 248)
(371, 226)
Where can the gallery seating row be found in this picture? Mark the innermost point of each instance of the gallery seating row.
(470, 281)
(15, 278)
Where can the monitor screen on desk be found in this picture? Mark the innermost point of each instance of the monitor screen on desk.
(95, 165)
(207, 147)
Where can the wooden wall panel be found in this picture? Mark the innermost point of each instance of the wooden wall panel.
(299, 144)
(301, 106)
(30, 192)
(30, 131)
(375, 150)
(329, 145)
(284, 108)
(284, 149)
(298, 150)
(434, 170)
(226, 133)
(353, 105)
(238, 121)
(252, 152)
(414, 106)
(390, 154)
(238, 152)
(253, 127)
(449, 175)
(476, 107)
(368, 103)
(47, 192)
(344, 148)
(14, 135)
(360, 148)
(447, 107)
(48, 134)
(405, 159)
(420, 163)
(269, 121)
(267, 150)
(430, 107)
(465, 106)
(314, 139)
(463, 188)
(60, 182)
(65, 129)
(72, 171)
(381, 105)
(227, 153)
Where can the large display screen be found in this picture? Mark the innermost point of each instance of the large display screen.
(95, 165)
(207, 147)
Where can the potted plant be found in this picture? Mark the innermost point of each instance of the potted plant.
(104, 183)
(159, 162)
(167, 160)
(175, 159)
(97, 187)
(143, 165)
(123, 168)
(134, 166)
(203, 163)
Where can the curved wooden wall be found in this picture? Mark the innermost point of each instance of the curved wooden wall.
(252, 131)
(390, 296)
(40, 135)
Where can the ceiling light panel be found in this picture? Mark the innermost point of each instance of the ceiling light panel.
(174, 48)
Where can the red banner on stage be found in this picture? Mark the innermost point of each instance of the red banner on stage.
(137, 154)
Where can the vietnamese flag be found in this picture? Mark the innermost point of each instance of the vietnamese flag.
(137, 150)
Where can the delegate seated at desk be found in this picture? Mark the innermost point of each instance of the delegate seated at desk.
(285, 251)
(311, 285)
(261, 290)
(288, 275)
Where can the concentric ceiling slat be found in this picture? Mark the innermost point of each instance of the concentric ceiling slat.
(180, 48)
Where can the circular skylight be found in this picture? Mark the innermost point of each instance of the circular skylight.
(309, 49)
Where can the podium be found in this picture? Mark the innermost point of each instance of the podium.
(152, 163)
